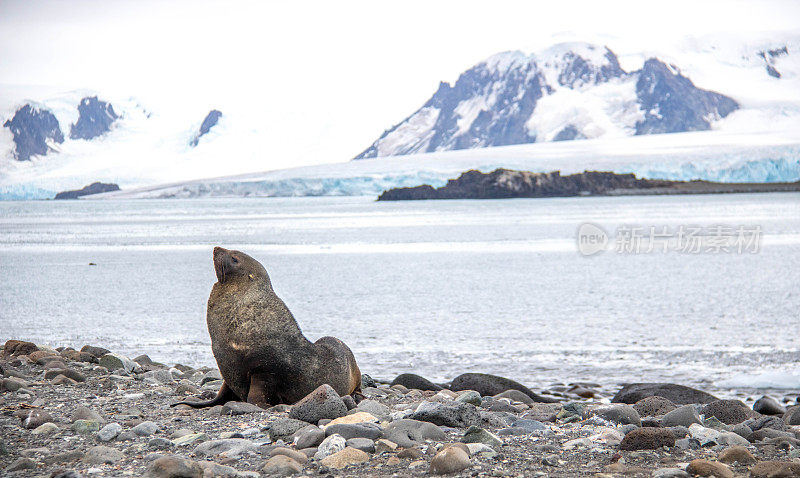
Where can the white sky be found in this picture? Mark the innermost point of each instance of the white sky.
(322, 80)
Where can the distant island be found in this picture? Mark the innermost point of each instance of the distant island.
(507, 183)
(94, 188)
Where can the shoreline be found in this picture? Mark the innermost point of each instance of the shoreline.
(69, 413)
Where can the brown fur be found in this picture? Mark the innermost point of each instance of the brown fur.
(262, 354)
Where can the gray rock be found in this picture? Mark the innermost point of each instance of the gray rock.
(776, 423)
(622, 414)
(729, 412)
(367, 381)
(516, 396)
(283, 428)
(458, 415)
(281, 465)
(479, 435)
(377, 409)
(215, 469)
(408, 433)
(792, 416)
(742, 430)
(66, 474)
(112, 362)
(240, 408)
(230, 447)
(84, 427)
(159, 443)
(678, 394)
(100, 455)
(355, 430)
(145, 428)
(174, 467)
(363, 444)
(670, 473)
(471, 397)
(731, 439)
(768, 406)
(647, 439)
(679, 431)
(530, 425)
(683, 416)
(572, 411)
(21, 464)
(413, 381)
(84, 413)
(654, 406)
(211, 376)
(323, 402)
(512, 431)
(490, 385)
(449, 460)
(308, 437)
(109, 432)
(163, 377)
(34, 418)
(329, 446)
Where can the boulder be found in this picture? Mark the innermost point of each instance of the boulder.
(654, 406)
(322, 403)
(729, 412)
(413, 381)
(490, 385)
(456, 414)
(678, 394)
(449, 460)
(647, 439)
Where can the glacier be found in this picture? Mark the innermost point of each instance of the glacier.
(708, 155)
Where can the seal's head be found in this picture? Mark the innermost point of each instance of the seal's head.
(236, 266)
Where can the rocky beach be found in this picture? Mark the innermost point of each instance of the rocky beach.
(92, 412)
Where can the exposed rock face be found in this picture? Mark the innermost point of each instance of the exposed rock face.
(672, 103)
(505, 183)
(33, 128)
(94, 188)
(769, 58)
(95, 119)
(211, 120)
(500, 102)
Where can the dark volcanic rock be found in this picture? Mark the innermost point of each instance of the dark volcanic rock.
(410, 380)
(455, 414)
(768, 406)
(94, 188)
(647, 439)
(729, 412)
(211, 120)
(505, 183)
(654, 406)
(678, 394)
(489, 385)
(672, 103)
(32, 129)
(95, 119)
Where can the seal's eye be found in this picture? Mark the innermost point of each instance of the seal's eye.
(235, 260)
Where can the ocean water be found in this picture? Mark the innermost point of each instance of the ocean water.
(432, 287)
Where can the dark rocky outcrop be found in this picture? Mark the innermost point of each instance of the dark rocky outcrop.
(671, 103)
(95, 119)
(678, 394)
(32, 128)
(94, 188)
(211, 120)
(769, 57)
(490, 385)
(505, 183)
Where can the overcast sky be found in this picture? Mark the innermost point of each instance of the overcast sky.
(325, 78)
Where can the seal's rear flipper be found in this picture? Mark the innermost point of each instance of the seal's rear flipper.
(224, 395)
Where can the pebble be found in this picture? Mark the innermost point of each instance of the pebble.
(385, 446)
(281, 465)
(355, 430)
(85, 413)
(99, 455)
(683, 416)
(363, 444)
(374, 408)
(774, 469)
(345, 457)
(469, 396)
(323, 402)
(145, 428)
(358, 417)
(190, 439)
(22, 464)
(479, 435)
(407, 433)
(307, 437)
(293, 454)
(647, 439)
(670, 473)
(457, 415)
(736, 454)
(702, 467)
(240, 408)
(113, 362)
(284, 428)
(622, 414)
(45, 429)
(159, 443)
(329, 446)
(174, 467)
(85, 427)
(450, 460)
(229, 447)
(109, 432)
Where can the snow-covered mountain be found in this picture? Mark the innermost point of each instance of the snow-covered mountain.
(732, 108)
(569, 91)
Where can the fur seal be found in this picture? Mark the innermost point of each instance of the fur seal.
(262, 355)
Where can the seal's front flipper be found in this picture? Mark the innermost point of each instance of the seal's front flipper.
(257, 394)
(224, 395)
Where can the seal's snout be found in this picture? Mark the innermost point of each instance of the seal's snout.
(222, 259)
